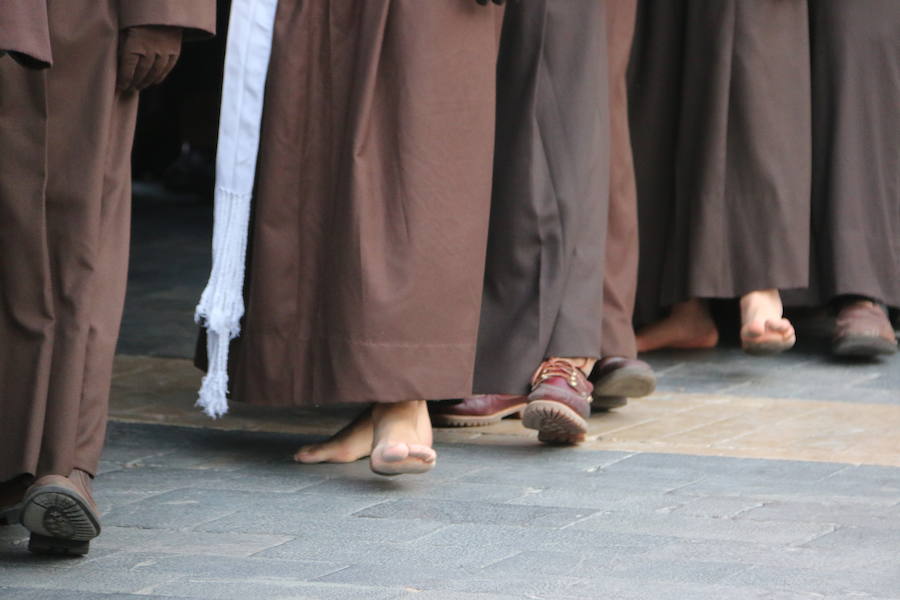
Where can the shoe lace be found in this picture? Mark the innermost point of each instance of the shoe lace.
(557, 367)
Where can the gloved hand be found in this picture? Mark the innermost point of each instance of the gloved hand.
(484, 2)
(147, 55)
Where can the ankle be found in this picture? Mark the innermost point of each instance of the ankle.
(770, 296)
(402, 415)
(692, 307)
(694, 312)
(387, 408)
(761, 304)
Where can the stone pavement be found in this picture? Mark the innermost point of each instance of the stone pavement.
(741, 478)
(664, 501)
(797, 406)
(203, 513)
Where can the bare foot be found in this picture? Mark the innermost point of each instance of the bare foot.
(402, 439)
(688, 326)
(350, 444)
(764, 330)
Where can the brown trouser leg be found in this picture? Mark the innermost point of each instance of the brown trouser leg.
(26, 307)
(543, 292)
(63, 259)
(620, 276)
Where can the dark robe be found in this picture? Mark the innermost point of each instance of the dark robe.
(371, 213)
(65, 193)
(25, 31)
(720, 114)
(622, 244)
(856, 152)
(543, 292)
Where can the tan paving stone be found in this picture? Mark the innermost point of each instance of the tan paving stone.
(159, 390)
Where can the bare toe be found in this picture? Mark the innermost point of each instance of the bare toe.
(309, 454)
(330, 454)
(423, 453)
(772, 341)
(394, 452)
(753, 330)
(782, 326)
(350, 444)
(384, 459)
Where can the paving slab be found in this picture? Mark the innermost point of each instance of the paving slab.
(520, 523)
(715, 423)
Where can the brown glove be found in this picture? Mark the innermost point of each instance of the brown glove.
(146, 56)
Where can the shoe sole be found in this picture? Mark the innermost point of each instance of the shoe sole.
(627, 382)
(476, 421)
(608, 403)
(863, 346)
(555, 422)
(60, 522)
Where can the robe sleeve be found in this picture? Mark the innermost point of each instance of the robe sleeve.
(25, 32)
(197, 17)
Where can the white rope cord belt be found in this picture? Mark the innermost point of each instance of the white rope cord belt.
(221, 306)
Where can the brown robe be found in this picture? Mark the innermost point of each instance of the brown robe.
(25, 31)
(622, 244)
(543, 292)
(856, 152)
(65, 192)
(720, 114)
(371, 213)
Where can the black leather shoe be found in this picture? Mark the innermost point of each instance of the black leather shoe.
(617, 378)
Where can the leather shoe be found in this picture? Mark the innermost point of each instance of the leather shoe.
(61, 514)
(475, 411)
(863, 329)
(617, 378)
(559, 403)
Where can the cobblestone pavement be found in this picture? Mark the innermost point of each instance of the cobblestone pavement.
(763, 478)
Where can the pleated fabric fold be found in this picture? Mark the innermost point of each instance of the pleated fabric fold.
(370, 208)
(720, 116)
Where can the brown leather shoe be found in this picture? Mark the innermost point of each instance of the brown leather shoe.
(617, 378)
(559, 403)
(476, 411)
(862, 329)
(12, 495)
(61, 514)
